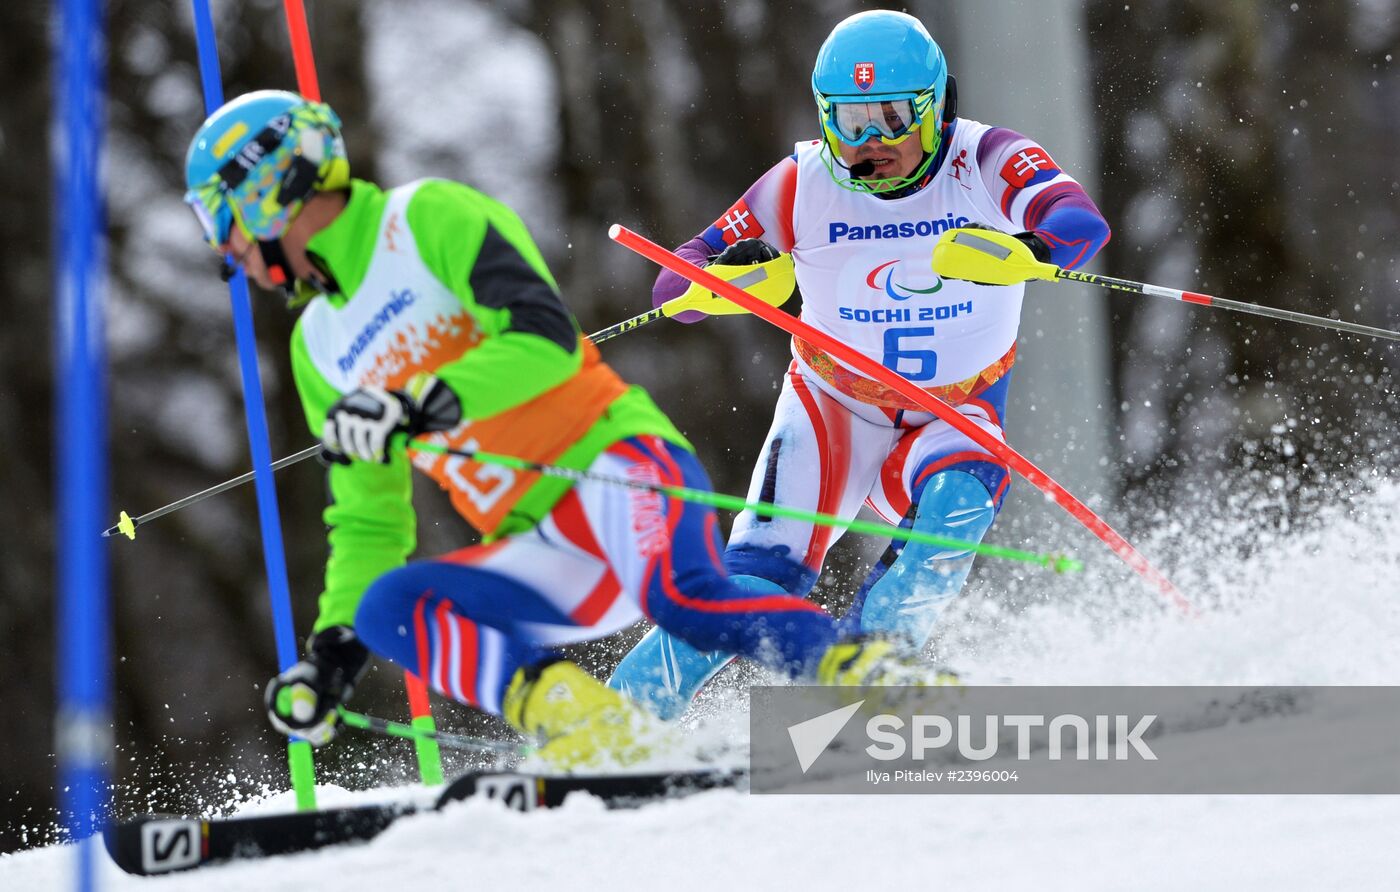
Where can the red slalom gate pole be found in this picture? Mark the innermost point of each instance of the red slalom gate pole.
(868, 367)
(302, 59)
(429, 757)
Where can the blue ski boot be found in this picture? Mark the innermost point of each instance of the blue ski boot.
(913, 582)
(664, 673)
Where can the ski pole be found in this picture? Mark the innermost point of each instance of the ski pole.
(1238, 306)
(127, 525)
(387, 728)
(996, 258)
(1058, 563)
(772, 282)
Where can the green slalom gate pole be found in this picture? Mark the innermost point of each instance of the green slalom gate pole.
(425, 745)
(1058, 563)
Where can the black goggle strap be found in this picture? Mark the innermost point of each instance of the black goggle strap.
(300, 178)
(236, 169)
(279, 270)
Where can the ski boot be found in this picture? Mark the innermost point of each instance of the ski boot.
(873, 660)
(907, 593)
(581, 722)
(664, 673)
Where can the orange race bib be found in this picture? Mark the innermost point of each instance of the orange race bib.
(540, 431)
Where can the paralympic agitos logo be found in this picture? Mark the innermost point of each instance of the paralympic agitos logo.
(895, 290)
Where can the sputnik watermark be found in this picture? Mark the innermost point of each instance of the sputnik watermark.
(1112, 738)
(1048, 739)
(921, 736)
(811, 738)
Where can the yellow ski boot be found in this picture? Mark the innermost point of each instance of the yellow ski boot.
(581, 722)
(875, 661)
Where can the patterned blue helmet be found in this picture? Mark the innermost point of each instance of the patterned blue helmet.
(886, 61)
(256, 160)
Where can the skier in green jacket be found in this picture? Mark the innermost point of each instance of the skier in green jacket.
(429, 312)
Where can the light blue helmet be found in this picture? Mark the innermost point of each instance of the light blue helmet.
(255, 161)
(882, 55)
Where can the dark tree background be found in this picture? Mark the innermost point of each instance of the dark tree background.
(1248, 149)
(1251, 150)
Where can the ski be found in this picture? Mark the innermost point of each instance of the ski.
(528, 792)
(156, 844)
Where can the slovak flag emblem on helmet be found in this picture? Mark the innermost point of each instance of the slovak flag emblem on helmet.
(865, 75)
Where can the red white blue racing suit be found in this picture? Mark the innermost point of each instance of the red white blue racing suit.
(840, 439)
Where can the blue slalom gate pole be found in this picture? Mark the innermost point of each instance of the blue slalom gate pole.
(82, 727)
(298, 752)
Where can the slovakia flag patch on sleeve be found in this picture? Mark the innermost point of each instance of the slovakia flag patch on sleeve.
(738, 223)
(1026, 165)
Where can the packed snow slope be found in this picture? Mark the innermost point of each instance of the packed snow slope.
(1318, 606)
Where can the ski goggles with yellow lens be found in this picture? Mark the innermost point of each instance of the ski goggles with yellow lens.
(889, 119)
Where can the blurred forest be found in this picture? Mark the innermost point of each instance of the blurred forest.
(1243, 148)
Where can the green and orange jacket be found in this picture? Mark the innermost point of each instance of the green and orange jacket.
(436, 277)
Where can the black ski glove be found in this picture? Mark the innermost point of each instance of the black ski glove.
(360, 424)
(744, 252)
(302, 701)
